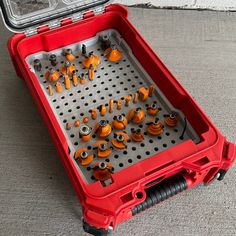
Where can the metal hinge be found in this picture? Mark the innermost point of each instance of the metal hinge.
(57, 23)
(31, 31)
(80, 15)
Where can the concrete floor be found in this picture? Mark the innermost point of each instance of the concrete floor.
(36, 198)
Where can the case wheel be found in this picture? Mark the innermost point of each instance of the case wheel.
(95, 231)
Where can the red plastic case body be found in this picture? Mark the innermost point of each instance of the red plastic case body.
(108, 206)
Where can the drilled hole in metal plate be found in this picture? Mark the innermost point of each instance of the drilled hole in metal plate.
(134, 148)
(139, 156)
(72, 135)
(130, 160)
(165, 145)
(156, 149)
(121, 165)
(116, 156)
(173, 141)
(64, 121)
(147, 153)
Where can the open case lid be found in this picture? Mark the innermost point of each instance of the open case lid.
(22, 14)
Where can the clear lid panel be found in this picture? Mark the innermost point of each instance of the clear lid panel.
(22, 14)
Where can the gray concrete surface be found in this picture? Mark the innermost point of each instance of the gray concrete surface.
(36, 197)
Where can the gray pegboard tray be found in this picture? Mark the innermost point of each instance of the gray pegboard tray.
(112, 80)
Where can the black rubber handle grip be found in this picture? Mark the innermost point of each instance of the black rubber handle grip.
(161, 192)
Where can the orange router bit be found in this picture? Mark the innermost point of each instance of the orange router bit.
(74, 78)
(91, 60)
(103, 129)
(103, 110)
(119, 122)
(103, 150)
(85, 133)
(120, 140)
(68, 54)
(53, 59)
(82, 78)
(52, 75)
(111, 104)
(82, 155)
(155, 128)
(86, 120)
(102, 171)
(143, 94)
(50, 91)
(68, 126)
(127, 100)
(113, 54)
(91, 72)
(171, 120)
(135, 97)
(68, 68)
(67, 81)
(151, 90)
(137, 115)
(137, 135)
(118, 104)
(77, 123)
(93, 114)
(152, 110)
(58, 87)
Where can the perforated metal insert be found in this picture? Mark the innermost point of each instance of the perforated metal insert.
(113, 80)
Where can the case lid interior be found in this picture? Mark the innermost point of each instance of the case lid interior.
(21, 14)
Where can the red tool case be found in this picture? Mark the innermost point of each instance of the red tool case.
(145, 174)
